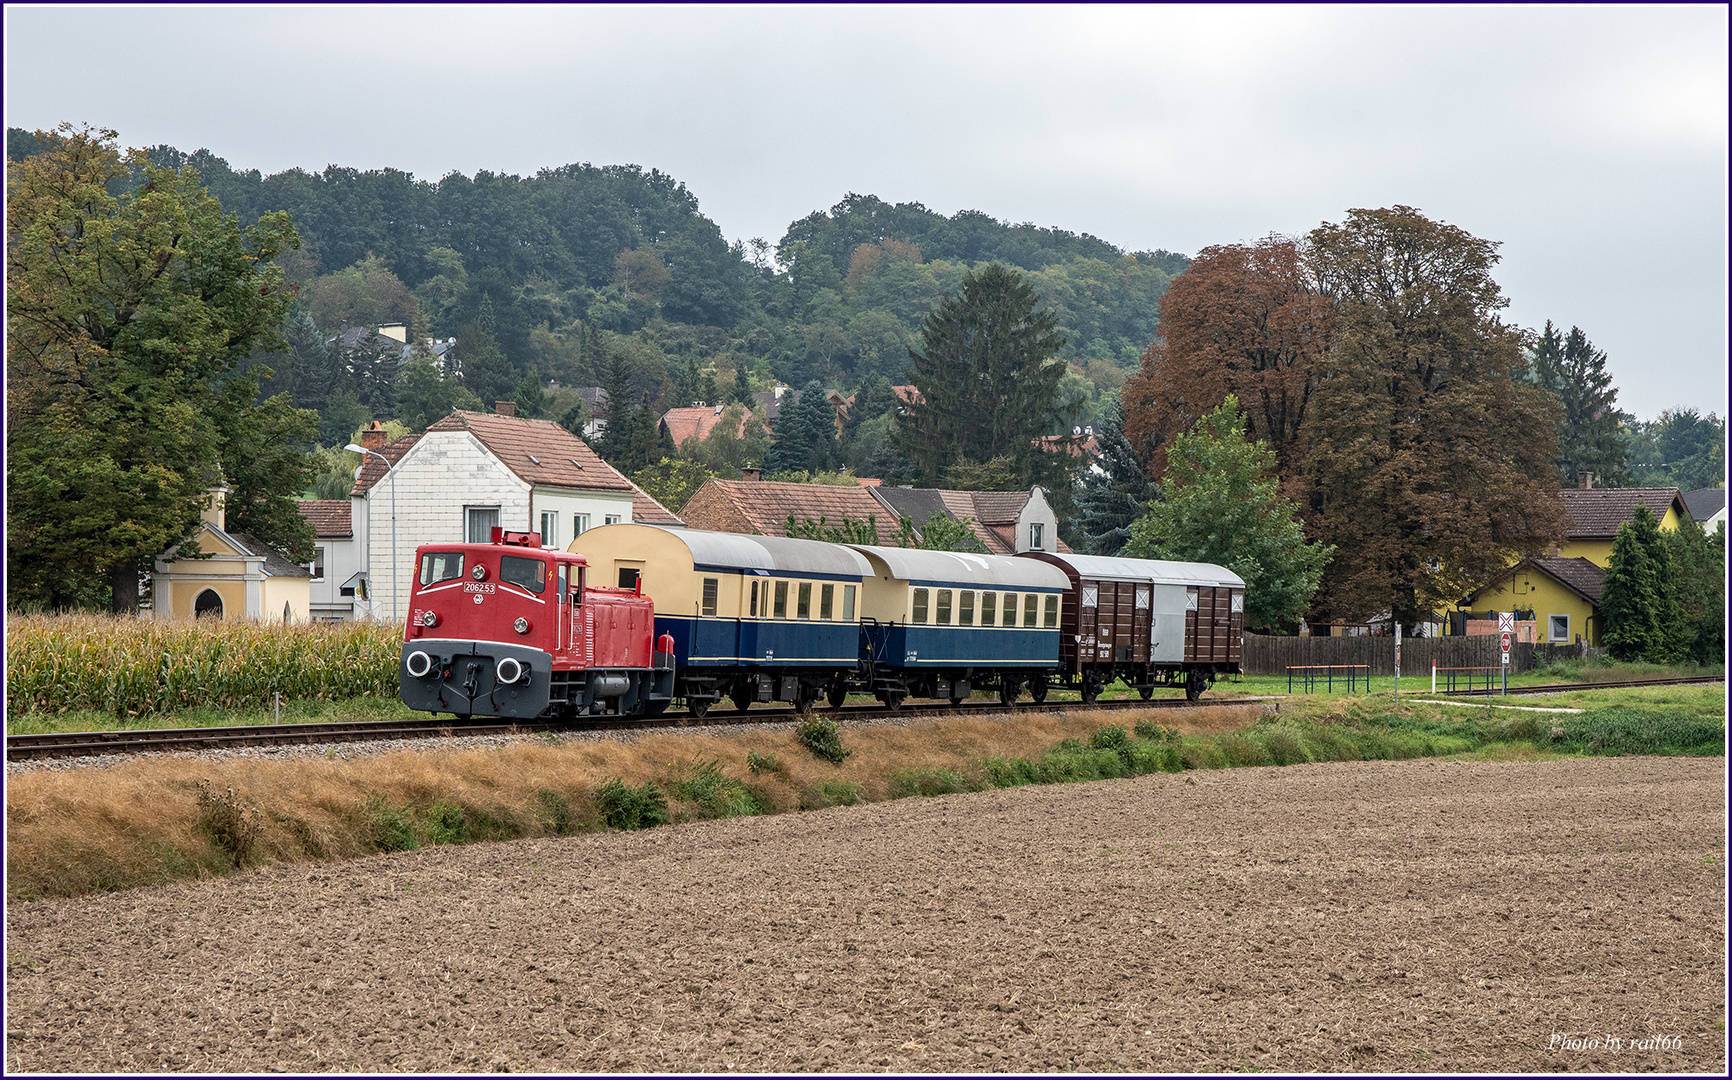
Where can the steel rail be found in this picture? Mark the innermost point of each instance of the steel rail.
(1561, 688)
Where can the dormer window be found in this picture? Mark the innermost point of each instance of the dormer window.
(1037, 536)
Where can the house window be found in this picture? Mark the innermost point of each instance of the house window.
(847, 603)
(610, 519)
(480, 521)
(804, 609)
(1037, 536)
(826, 598)
(317, 566)
(1051, 611)
(965, 608)
(710, 588)
(988, 608)
(579, 525)
(1558, 627)
(549, 529)
(943, 607)
(781, 599)
(919, 605)
(1432, 565)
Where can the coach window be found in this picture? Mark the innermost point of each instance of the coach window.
(943, 607)
(805, 603)
(710, 585)
(919, 605)
(1029, 602)
(628, 576)
(754, 608)
(781, 599)
(988, 608)
(1051, 611)
(965, 608)
(826, 597)
(847, 603)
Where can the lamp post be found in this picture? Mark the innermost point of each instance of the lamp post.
(355, 448)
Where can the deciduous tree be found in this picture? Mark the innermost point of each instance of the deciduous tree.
(1429, 457)
(127, 313)
(1220, 505)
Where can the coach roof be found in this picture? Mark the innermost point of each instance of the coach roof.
(774, 554)
(964, 569)
(1160, 571)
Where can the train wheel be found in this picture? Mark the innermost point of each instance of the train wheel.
(1091, 690)
(892, 701)
(804, 697)
(697, 706)
(1008, 691)
(838, 694)
(743, 693)
(1146, 692)
(1194, 684)
(1037, 690)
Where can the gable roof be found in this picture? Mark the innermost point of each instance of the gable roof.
(276, 563)
(995, 513)
(1704, 503)
(645, 510)
(1580, 576)
(1596, 513)
(328, 517)
(764, 506)
(697, 422)
(538, 452)
(373, 471)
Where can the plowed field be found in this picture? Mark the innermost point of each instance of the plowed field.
(1383, 916)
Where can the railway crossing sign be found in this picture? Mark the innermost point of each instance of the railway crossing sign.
(1506, 625)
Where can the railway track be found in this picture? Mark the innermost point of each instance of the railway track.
(158, 740)
(1561, 688)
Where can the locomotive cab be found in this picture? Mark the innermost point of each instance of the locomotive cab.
(510, 629)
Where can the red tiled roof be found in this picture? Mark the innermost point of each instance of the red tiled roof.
(328, 517)
(538, 451)
(1596, 513)
(697, 422)
(373, 470)
(765, 505)
(645, 510)
(1578, 575)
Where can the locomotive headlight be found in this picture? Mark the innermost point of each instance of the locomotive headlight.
(419, 664)
(521, 626)
(429, 618)
(479, 573)
(509, 670)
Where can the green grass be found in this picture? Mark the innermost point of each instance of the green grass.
(293, 712)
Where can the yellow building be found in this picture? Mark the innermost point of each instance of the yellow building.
(1596, 514)
(242, 579)
(1563, 595)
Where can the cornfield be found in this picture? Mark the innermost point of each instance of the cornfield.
(137, 667)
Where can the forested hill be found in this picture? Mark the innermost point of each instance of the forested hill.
(581, 264)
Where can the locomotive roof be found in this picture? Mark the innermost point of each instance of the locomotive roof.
(1160, 571)
(774, 553)
(967, 569)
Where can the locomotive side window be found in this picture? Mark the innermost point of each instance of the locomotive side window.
(710, 588)
(1029, 602)
(847, 603)
(805, 606)
(754, 608)
(943, 607)
(826, 600)
(1051, 611)
(529, 574)
(781, 599)
(439, 566)
(563, 596)
(965, 608)
(988, 608)
(919, 605)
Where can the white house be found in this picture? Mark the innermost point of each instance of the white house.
(339, 569)
(468, 473)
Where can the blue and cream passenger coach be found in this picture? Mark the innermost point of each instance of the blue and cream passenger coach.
(756, 618)
(943, 624)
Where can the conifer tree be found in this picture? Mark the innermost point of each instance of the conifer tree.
(1590, 436)
(805, 434)
(1638, 602)
(486, 371)
(1109, 502)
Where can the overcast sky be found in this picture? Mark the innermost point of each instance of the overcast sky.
(1591, 142)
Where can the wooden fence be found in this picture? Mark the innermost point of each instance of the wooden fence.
(1274, 655)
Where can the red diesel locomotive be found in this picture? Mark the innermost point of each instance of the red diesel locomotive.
(575, 648)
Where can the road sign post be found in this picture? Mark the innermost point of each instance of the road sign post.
(1505, 627)
(1397, 659)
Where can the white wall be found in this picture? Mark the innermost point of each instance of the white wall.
(1037, 510)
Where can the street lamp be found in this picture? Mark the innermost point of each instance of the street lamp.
(354, 448)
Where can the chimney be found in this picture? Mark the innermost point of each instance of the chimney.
(374, 437)
(1584, 480)
(505, 408)
(751, 472)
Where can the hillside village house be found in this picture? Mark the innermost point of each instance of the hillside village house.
(1560, 593)
(1005, 522)
(338, 570)
(242, 579)
(1707, 506)
(468, 473)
